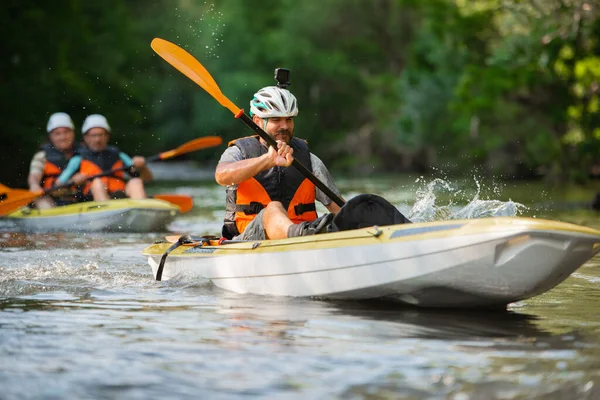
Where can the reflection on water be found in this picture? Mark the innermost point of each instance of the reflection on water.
(445, 324)
(82, 316)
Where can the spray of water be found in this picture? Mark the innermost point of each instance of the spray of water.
(202, 27)
(425, 208)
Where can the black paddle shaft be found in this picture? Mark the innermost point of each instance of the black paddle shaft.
(297, 164)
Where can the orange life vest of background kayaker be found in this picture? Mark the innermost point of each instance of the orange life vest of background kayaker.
(284, 184)
(97, 162)
(54, 166)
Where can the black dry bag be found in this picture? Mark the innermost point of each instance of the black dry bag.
(367, 210)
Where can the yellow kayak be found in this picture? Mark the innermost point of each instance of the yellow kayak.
(122, 215)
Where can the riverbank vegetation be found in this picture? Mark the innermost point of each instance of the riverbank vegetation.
(510, 88)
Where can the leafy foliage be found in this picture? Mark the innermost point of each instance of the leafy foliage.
(508, 86)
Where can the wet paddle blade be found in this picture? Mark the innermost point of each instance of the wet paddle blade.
(185, 63)
(178, 57)
(13, 199)
(185, 203)
(194, 145)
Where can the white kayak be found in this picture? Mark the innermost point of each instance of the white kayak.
(123, 215)
(463, 263)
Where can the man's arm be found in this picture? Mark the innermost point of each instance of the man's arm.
(33, 180)
(36, 171)
(139, 163)
(233, 170)
(70, 170)
(333, 207)
(234, 173)
(136, 161)
(322, 173)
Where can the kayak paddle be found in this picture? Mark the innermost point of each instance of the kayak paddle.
(184, 202)
(185, 63)
(13, 199)
(192, 145)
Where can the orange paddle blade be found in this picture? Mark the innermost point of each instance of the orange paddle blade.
(178, 57)
(185, 203)
(193, 145)
(13, 199)
(185, 63)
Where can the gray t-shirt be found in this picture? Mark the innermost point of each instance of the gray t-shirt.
(233, 154)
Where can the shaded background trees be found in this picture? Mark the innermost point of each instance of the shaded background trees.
(508, 87)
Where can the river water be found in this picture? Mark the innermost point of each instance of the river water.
(82, 318)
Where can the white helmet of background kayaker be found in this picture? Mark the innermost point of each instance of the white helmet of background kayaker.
(272, 101)
(95, 121)
(61, 132)
(96, 132)
(60, 120)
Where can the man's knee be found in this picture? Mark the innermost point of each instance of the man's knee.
(135, 182)
(97, 184)
(274, 206)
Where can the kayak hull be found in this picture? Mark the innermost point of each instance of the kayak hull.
(472, 263)
(122, 215)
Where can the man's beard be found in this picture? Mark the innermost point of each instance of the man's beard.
(283, 134)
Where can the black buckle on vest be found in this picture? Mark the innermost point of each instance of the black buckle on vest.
(301, 208)
(249, 209)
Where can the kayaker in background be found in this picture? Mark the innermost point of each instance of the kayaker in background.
(48, 163)
(98, 157)
(266, 198)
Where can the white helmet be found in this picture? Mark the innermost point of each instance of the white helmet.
(272, 101)
(95, 121)
(59, 120)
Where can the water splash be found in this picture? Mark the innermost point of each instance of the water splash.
(425, 208)
(203, 28)
(74, 274)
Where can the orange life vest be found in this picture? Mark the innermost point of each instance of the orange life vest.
(284, 184)
(55, 164)
(97, 162)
